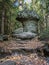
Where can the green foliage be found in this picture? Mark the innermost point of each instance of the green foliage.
(40, 6)
(44, 34)
(9, 16)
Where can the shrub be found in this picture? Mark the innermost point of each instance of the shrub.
(44, 35)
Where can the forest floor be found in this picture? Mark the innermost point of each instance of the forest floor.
(16, 44)
(23, 58)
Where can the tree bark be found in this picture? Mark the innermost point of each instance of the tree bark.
(3, 17)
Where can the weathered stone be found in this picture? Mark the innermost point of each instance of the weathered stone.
(43, 51)
(3, 37)
(8, 63)
(25, 35)
(46, 49)
(4, 52)
(27, 14)
(30, 25)
(29, 20)
(17, 31)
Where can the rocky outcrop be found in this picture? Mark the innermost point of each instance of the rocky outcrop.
(3, 37)
(4, 52)
(24, 35)
(43, 51)
(29, 20)
(27, 14)
(8, 63)
(17, 31)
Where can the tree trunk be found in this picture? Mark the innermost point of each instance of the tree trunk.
(3, 17)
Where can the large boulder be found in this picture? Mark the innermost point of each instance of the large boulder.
(8, 63)
(27, 14)
(24, 35)
(4, 52)
(3, 37)
(17, 31)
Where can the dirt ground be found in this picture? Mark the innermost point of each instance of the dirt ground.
(16, 44)
(22, 59)
(31, 59)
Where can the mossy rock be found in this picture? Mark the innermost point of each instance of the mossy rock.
(3, 37)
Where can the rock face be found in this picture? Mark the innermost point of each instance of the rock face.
(3, 37)
(30, 25)
(29, 20)
(27, 14)
(25, 35)
(44, 50)
(4, 52)
(8, 63)
(17, 31)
